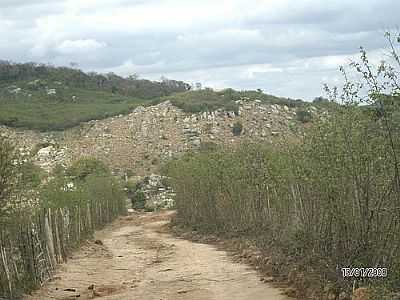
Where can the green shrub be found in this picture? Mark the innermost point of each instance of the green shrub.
(304, 199)
(139, 200)
(131, 186)
(84, 167)
(232, 106)
(237, 128)
(303, 116)
(209, 100)
(64, 214)
(31, 175)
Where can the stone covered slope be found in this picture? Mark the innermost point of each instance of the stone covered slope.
(142, 139)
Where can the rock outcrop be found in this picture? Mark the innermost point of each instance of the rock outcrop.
(147, 136)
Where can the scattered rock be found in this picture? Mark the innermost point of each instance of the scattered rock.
(161, 131)
(104, 291)
(166, 270)
(157, 195)
(267, 279)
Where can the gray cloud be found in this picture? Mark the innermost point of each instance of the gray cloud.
(288, 47)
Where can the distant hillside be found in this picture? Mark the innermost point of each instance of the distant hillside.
(43, 97)
(47, 98)
(73, 78)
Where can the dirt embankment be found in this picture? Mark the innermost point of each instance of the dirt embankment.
(135, 258)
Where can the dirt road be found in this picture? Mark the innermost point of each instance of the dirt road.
(136, 260)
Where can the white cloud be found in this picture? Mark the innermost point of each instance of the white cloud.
(285, 47)
(128, 67)
(80, 46)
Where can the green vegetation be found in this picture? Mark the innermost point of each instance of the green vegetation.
(7, 169)
(268, 99)
(42, 112)
(42, 97)
(209, 100)
(31, 176)
(237, 128)
(39, 76)
(202, 100)
(205, 147)
(134, 192)
(47, 98)
(138, 200)
(84, 167)
(329, 202)
(303, 116)
(54, 217)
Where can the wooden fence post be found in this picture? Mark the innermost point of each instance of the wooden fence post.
(49, 237)
(6, 269)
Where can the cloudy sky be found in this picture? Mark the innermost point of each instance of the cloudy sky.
(285, 47)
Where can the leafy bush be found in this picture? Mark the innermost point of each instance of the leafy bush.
(303, 116)
(138, 200)
(209, 100)
(65, 214)
(31, 175)
(131, 186)
(84, 167)
(135, 194)
(237, 128)
(305, 191)
(305, 200)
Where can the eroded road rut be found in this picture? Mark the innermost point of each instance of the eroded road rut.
(138, 260)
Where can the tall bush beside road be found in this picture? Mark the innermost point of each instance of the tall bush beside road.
(331, 201)
(33, 240)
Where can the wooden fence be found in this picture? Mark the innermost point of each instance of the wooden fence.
(31, 245)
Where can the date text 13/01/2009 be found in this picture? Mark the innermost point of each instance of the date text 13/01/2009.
(364, 272)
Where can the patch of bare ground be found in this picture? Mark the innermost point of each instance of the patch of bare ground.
(277, 272)
(136, 257)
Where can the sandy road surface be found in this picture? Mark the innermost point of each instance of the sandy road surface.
(138, 261)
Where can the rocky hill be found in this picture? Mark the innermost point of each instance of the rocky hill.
(137, 143)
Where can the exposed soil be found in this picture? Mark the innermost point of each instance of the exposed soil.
(136, 258)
